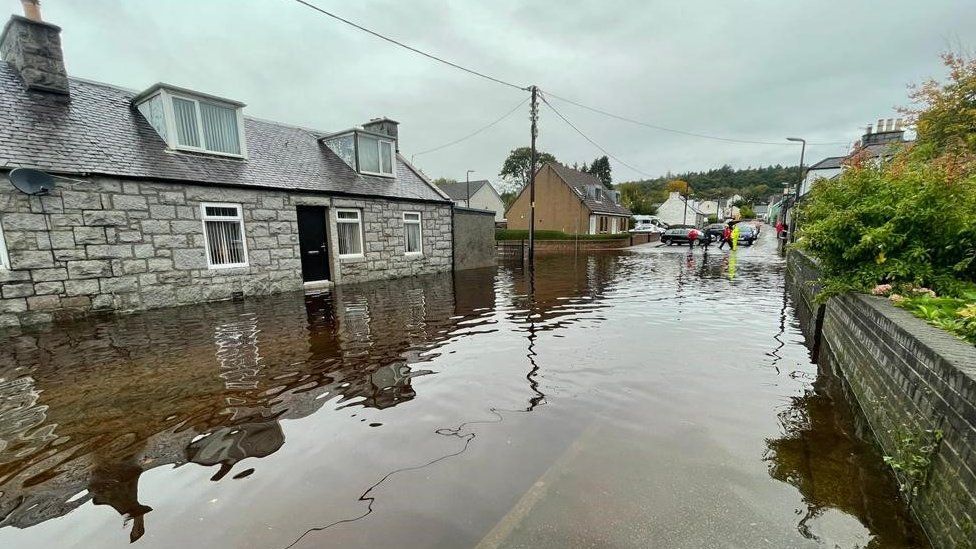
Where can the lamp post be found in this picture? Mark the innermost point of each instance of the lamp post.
(467, 180)
(799, 186)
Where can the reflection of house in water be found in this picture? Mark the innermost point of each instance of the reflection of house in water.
(210, 384)
(822, 456)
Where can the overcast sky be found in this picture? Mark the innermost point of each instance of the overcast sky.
(761, 69)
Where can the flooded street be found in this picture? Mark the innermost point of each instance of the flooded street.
(642, 398)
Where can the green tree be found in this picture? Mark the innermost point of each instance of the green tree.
(601, 168)
(517, 169)
(945, 115)
(443, 180)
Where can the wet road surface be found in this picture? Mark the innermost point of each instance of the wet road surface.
(643, 398)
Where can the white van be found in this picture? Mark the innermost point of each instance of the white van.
(648, 224)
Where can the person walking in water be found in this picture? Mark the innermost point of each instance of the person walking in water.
(726, 237)
(692, 237)
(735, 237)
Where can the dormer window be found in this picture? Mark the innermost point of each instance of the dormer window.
(369, 151)
(193, 121)
(375, 155)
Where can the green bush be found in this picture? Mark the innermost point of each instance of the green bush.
(523, 234)
(954, 315)
(909, 221)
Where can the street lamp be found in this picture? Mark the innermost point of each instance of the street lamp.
(799, 186)
(467, 179)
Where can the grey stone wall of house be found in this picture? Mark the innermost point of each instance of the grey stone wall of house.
(474, 238)
(116, 244)
(910, 381)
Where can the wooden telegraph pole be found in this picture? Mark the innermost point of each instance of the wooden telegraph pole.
(534, 117)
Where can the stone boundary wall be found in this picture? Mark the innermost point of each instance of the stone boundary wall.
(908, 379)
(474, 238)
(106, 244)
(563, 246)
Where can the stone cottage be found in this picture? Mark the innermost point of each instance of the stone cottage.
(172, 196)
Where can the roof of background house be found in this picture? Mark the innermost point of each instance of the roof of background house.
(831, 162)
(459, 189)
(100, 132)
(579, 180)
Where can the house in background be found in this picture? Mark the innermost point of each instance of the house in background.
(172, 196)
(480, 195)
(569, 201)
(878, 146)
(676, 210)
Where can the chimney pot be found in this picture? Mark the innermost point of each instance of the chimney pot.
(32, 9)
(881, 124)
(890, 125)
(869, 129)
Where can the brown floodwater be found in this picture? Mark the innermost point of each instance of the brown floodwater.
(642, 398)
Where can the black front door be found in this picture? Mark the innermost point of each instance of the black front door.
(311, 240)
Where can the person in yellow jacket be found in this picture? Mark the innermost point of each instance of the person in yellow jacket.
(735, 237)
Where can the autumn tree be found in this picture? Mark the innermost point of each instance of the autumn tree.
(945, 112)
(679, 186)
(517, 169)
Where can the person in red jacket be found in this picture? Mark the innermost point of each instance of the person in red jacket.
(692, 237)
(726, 237)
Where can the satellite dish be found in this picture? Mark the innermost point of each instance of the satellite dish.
(30, 181)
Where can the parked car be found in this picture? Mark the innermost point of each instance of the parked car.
(648, 224)
(747, 234)
(714, 231)
(677, 235)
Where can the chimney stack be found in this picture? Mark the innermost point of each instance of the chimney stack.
(869, 130)
(881, 125)
(33, 48)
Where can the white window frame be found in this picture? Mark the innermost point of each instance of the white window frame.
(362, 236)
(379, 154)
(174, 138)
(419, 222)
(4, 258)
(206, 242)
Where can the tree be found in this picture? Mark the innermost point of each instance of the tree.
(517, 169)
(442, 180)
(679, 186)
(946, 114)
(601, 168)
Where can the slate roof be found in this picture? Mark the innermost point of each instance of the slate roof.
(100, 132)
(459, 190)
(831, 162)
(578, 181)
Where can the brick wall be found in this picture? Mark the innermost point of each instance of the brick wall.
(908, 379)
(130, 245)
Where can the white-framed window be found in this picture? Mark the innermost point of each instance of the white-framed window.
(350, 230)
(223, 231)
(375, 155)
(207, 126)
(4, 259)
(412, 233)
(199, 123)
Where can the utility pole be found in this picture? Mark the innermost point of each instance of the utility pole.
(534, 117)
(467, 180)
(799, 187)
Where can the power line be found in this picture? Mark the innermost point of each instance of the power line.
(680, 132)
(411, 48)
(472, 134)
(594, 143)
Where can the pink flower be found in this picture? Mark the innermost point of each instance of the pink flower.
(896, 299)
(882, 289)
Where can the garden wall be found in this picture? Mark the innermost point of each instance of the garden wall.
(910, 380)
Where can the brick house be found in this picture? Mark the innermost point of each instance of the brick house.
(569, 201)
(171, 196)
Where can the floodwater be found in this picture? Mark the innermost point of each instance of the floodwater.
(642, 398)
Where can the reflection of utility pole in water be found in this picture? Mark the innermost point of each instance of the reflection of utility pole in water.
(534, 371)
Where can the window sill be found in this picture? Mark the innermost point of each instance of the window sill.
(414, 254)
(181, 149)
(231, 266)
(374, 174)
(352, 258)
